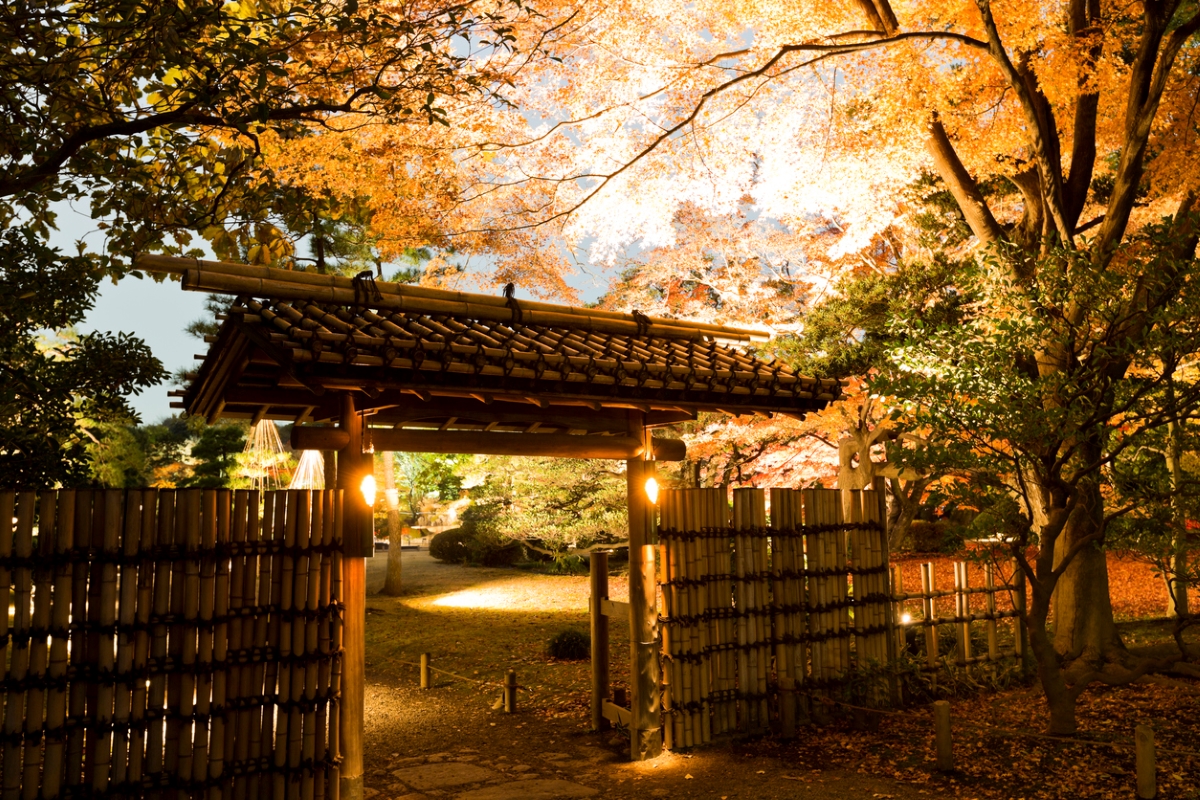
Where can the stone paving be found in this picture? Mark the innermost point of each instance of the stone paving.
(466, 775)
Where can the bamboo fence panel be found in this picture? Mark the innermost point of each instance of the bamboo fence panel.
(967, 614)
(759, 616)
(152, 652)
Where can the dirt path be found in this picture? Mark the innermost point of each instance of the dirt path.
(449, 742)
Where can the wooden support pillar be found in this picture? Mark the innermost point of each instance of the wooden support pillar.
(600, 671)
(646, 723)
(358, 544)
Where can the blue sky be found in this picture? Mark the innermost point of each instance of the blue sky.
(155, 312)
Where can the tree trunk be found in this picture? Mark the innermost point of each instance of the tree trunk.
(1059, 697)
(392, 584)
(1177, 562)
(1082, 609)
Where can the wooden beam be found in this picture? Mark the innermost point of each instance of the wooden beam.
(220, 276)
(616, 714)
(615, 608)
(559, 445)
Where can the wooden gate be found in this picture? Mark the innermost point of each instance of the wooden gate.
(157, 640)
(756, 615)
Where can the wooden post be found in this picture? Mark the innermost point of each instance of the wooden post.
(945, 743)
(1143, 742)
(358, 544)
(393, 583)
(787, 706)
(891, 590)
(425, 683)
(646, 728)
(600, 672)
(353, 707)
(510, 692)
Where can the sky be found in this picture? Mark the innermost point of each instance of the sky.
(154, 312)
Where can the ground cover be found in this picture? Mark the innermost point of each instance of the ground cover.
(479, 622)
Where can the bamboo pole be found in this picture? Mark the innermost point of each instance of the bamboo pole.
(19, 652)
(989, 581)
(219, 647)
(311, 644)
(237, 739)
(260, 721)
(963, 611)
(157, 692)
(672, 722)
(275, 674)
(246, 279)
(300, 581)
(144, 605)
(177, 632)
(100, 755)
(336, 646)
(39, 656)
(60, 621)
(8, 502)
(928, 587)
(193, 503)
(704, 567)
(843, 586)
(744, 631)
(325, 644)
(77, 698)
(598, 568)
(281, 776)
(126, 638)
(202, 659)
(687, 609)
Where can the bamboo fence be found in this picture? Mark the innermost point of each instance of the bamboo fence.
(965, 608)
(758, 616)
(170, 644)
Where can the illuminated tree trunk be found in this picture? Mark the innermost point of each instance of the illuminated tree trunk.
(1082, 610)
(1177, 561)
(392, 584)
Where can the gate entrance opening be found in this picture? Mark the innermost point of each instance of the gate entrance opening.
(361, 366)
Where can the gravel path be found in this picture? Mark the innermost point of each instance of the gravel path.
(449, 741)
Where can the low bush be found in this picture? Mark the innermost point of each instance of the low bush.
(451, 546)
(571, 644)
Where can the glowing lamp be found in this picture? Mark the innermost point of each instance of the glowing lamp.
(652, 490)
(367, 487)
(906, 618)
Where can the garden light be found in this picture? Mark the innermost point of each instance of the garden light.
(906, 618)
(652, 490)
(367, 487)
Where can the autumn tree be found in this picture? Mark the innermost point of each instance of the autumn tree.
(552, 506)
(1080, 110)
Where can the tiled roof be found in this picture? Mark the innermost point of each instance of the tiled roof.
(385, 347)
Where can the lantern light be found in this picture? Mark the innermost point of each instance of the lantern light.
(652, 490)
(367, 487)
(906, 618)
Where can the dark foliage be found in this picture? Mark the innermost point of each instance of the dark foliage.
(52, 391)
(570, 644)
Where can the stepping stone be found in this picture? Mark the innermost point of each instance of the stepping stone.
(440, 776)
(531, 790)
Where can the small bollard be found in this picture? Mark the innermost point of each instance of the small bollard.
(787, 707)
(1143, 745)
(510, 692)
(945, 744)
(424, 670)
